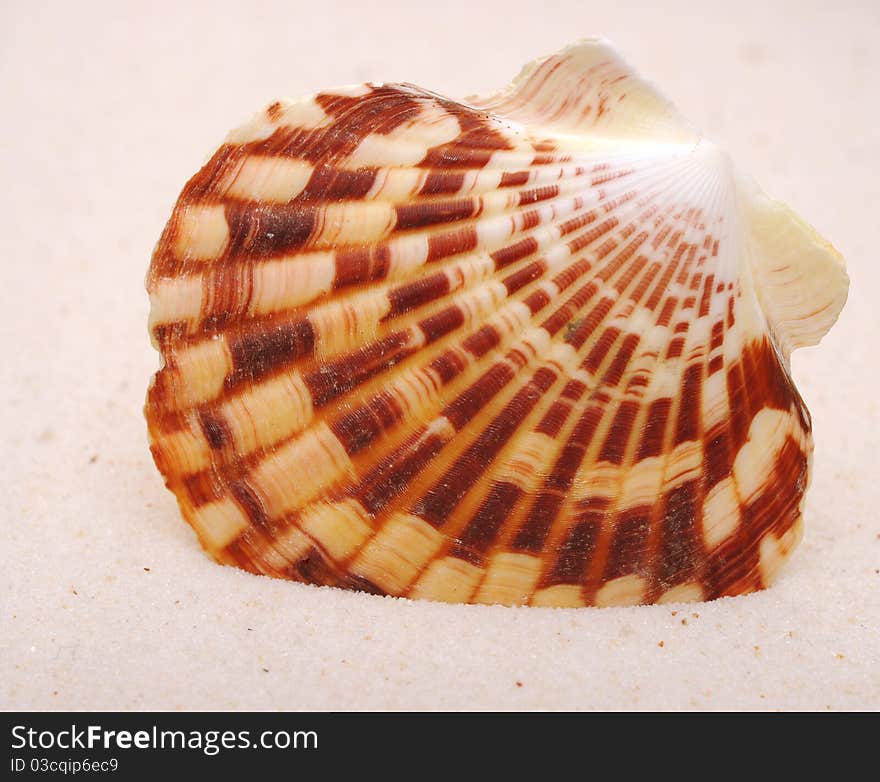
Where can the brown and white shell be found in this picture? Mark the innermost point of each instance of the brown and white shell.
(528, 348)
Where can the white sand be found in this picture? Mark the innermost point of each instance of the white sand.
(107, 601)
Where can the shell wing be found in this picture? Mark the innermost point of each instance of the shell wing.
(588, 88)
(531, 349)
(800, 278)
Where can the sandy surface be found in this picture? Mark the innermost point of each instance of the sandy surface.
(106, 600)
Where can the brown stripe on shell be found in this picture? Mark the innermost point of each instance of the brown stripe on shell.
(628, 544)
(257, 354)
(415, 294)
(329, 183)
(481, 531)
(420, 215)
(335, 378)
(680, 547)
(443, 183)
(260, 233)
(362, 264)
(514, 179)
(390, 478)
(576, 552)
(314, 568)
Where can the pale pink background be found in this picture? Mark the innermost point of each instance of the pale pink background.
(107, 110)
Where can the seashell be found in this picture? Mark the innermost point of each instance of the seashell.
(529, 348)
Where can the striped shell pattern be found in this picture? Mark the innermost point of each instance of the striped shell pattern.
(530, 348)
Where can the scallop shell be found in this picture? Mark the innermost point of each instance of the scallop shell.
(528, 348)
